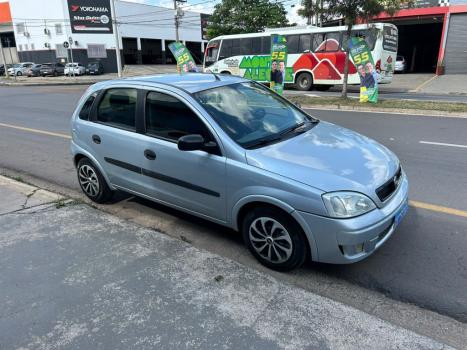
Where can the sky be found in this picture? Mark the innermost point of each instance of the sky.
(208, 6)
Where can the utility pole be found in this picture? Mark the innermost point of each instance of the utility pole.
(178, 15)
(117, 40)
(4, 60)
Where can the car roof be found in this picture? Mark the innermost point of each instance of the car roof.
(190, 82)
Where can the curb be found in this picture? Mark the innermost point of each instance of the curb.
(417, 112)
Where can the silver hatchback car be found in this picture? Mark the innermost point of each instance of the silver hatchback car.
(231, 151)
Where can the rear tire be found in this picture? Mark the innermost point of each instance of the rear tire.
(275, 239)
(92, 182)
(304, 81)
(18, 74)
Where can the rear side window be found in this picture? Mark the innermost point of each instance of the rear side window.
(169, 118)
(86, 109)
(118, 108)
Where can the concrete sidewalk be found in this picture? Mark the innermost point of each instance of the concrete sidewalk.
(75, 277)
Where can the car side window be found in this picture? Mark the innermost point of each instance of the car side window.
(118, 108)
(86, 109)
(169, 118)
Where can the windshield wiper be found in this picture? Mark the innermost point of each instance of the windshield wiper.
(262, 142)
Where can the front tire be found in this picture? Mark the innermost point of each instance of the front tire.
(19, 74)
(92, 182)
(304, 81)
(274, 238)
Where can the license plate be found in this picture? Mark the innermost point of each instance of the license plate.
(400, 215)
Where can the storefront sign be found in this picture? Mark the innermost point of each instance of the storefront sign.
(185, 62)
(363, 60)
(90, 16)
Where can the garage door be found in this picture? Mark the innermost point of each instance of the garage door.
(456, 45)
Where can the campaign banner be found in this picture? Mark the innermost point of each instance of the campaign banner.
(90, 16)
(185, 62)
(363, 60)
(278, 63)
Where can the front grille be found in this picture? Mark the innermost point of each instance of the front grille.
(389, 187)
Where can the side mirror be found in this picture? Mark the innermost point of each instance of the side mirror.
(194, 142)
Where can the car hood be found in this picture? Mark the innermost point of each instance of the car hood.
(330, 158)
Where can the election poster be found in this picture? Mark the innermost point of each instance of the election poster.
(185, 62)
(363, 60)
(278, 63)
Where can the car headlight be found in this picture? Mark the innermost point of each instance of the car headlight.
(347, 204)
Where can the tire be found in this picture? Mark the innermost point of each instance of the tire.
(92, 182)
(323, 87)
(285, 243)
(18, 74)
(304, 81)
(55, 73)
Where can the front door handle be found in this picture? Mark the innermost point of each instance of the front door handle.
(151, 155)
(96, 139)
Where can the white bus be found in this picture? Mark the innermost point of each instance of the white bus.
(316, 56)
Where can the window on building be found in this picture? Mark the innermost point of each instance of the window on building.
(292, 43)
(97, 51)
(60, 51)
(169, 118)
(20, 47)
(20, 28)
(58, 29)
(32, 47)
(118, 108)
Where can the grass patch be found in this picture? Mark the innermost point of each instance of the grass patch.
(389, 104)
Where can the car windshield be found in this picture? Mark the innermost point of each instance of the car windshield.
(17, 65)
(253, 115)
(93, 65)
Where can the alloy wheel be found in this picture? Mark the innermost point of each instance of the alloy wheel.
(270, 240)
(88, 180)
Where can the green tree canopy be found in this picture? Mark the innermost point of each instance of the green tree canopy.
(247, 16)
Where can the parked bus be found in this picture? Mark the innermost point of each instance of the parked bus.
(316, 56)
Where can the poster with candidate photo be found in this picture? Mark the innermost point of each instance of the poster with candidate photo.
(363, 60)
(185, 62)
(278, 63)
(90, 16)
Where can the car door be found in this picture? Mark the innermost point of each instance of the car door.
(111, 136)
(193, 180)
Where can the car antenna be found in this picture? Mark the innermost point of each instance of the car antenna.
(216, 76)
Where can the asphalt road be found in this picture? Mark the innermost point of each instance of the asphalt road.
(424, 263)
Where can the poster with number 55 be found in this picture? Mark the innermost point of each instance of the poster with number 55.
(185, 62)
(278, 62)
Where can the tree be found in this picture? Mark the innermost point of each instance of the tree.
(309, 10)
(352, 11)
(247, 16)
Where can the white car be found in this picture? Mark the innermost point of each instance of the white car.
(401, 64)
(19, 69)
(74, 69)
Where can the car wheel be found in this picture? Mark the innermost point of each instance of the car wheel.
(18, 74)
(55, 74)
(304, 81)
(274, 238)
(92, 182)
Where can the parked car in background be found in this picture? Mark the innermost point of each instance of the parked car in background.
(34, 71)
(232, 151)
(401, 64)
(95, 68)
(2, 69)
(52, 69)
(74, 68)
(19, 69)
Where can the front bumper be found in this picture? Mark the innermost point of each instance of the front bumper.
(344, 241)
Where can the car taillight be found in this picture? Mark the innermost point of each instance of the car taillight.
(378, 66)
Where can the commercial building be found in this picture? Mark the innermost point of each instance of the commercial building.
(433, 35)
(44, 30)
(7, 36)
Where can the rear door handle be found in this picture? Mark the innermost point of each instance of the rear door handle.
(151, 155)
(96, 139)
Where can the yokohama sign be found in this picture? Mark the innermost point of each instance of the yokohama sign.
(90, 16)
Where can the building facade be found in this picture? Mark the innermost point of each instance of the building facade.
(57, 30)
(7, 36)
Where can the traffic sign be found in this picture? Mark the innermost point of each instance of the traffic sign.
(66, 44)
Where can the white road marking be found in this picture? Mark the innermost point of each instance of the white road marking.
(442, 144)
